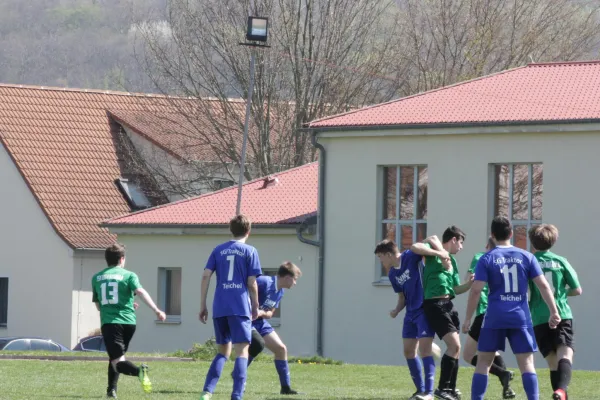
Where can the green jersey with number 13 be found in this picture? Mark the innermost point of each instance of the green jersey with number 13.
(114, 289)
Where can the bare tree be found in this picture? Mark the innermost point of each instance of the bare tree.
(447, 41)
(326, 56)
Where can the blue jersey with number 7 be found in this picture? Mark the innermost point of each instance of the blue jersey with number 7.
(507, 271)
(233, 262)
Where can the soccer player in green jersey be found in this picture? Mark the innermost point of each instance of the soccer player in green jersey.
(113, 290)
(441, 283)
(556, 345)
(498, 368)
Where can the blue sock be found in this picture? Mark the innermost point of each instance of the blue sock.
(530, 384)
(416, 373)
(214, 373)
(478, 386)
(429, 367)
(250, 359)
(239, 378)
(283, 371)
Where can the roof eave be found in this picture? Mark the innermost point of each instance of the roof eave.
(196, 226)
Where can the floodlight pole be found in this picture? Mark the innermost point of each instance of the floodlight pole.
(245, 140)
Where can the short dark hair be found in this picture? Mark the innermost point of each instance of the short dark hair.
(113, 254)
(289, 269)
(240, 225)
(501, 227)
(386, 246)
(453, 232)
(543, 237)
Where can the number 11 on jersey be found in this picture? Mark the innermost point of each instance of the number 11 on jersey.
(510, 274)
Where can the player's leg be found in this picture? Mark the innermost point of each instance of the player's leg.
(117, 338)
(546, 342)
(241, 336)
(426, 350)
(440, 320)
(128, 332)
(257, 345)
(564, 358)
(274, 343)
(498, 367)
(223, 340)
(490, 341)
(113, 375)
(410, 334)
(456, 325)
(522, 341)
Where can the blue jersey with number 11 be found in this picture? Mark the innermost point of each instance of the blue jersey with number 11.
(507, 271)
(233, 262)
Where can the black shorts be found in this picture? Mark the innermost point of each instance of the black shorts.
(117, 338)
(548, 340)
(441, 316)
(475, 330)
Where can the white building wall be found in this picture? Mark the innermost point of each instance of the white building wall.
(458, 169)
(36, 260)
(147, 253)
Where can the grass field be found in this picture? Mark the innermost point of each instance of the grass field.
(32, 379)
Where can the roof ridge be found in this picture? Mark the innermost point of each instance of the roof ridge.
(111, 92)
(418, 94)
(234, 187)
(559, 63)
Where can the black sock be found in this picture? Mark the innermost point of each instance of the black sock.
(128, 368)
(495, 369)
(113, 377)
(499, 361)
(447, 371)
(474, 361)
(563, 374)
(454, 374)
(554, 380)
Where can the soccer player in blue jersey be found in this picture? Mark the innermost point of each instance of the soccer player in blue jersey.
(507, 271)
(270, 292)
(405, 273)
(237, 266)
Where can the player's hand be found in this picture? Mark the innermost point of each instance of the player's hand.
(135, 305)
(466, 326)
(447, 264)
(470, 280)
(204, 315)
(254, 313)
(444, 255)
(554, 321)
(394, 313)
(161, 315)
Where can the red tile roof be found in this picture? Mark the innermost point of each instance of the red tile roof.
(534, 93)
(290, 200)
(62, 141)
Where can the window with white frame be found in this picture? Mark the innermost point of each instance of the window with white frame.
(518, 195)
(404, 208)
(3, 302)
(276, 318)
(169, 292)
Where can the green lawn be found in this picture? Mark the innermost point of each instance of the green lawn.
(32, 379)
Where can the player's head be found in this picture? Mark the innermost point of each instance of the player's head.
(115, 255)
(288, 274)
(387, 252)
(543, 237)
(501, 228)
(240, 226)
(453, 239)
(490, 245)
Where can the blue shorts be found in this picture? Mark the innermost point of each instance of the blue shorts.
(234, 328)
(416, 327)
(522, 340)
(262, 326)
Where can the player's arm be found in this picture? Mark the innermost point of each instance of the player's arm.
(424, 249)
(572, 280)
(97, 305)
(434, 242)
(204, 294)
(399, 305)
(150, 303)
(266, 314)
(253, 292)
(474, 296)
(460, 289)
